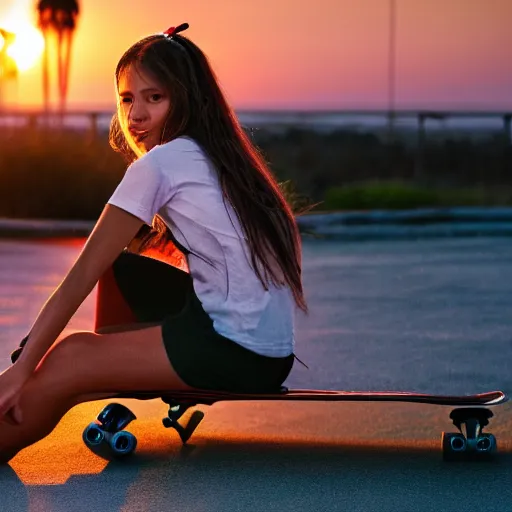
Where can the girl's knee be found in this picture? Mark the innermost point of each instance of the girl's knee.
(69, 346)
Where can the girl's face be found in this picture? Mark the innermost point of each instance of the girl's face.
(142, 106)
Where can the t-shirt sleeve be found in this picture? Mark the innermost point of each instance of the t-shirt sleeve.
(143, 190)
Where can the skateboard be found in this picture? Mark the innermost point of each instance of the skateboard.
(470, 417)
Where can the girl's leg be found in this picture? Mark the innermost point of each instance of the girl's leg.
(112, 330)
(132, 298)
(85, 364)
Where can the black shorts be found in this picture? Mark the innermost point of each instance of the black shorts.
(159, 293)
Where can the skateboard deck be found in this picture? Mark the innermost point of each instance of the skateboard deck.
(107, 432)
(208, 397)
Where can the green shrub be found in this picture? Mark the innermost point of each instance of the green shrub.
(48, 173)
(400, 196)
(59, 175)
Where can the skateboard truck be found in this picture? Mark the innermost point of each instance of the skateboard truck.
(471, 441)
(176, 411)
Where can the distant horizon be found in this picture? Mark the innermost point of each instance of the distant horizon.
(456, 109)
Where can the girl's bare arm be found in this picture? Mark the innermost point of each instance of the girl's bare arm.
(111, 234)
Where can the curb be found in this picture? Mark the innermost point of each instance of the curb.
(369, 225)
(28, 228)
(408, 224)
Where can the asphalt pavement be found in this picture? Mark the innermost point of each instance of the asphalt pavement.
(419, 315)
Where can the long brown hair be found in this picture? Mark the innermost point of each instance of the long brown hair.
(200, 111)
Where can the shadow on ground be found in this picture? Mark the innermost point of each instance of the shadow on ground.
(246, 475)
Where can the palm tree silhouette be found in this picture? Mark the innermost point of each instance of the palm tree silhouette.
(57, 17)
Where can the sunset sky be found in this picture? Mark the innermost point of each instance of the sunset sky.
(301, 54)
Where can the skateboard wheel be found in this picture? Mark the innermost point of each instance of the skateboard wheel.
(93, 435)
(486, 444)
(454, 445)
(167, 422)
(123, 443)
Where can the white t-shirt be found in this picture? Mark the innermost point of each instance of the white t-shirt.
(178, 182)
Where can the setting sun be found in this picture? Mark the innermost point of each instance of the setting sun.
(27, 43)
(27, 47)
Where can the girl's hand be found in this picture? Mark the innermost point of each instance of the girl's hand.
(12, 382)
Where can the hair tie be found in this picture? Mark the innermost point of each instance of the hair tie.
(172, 31)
